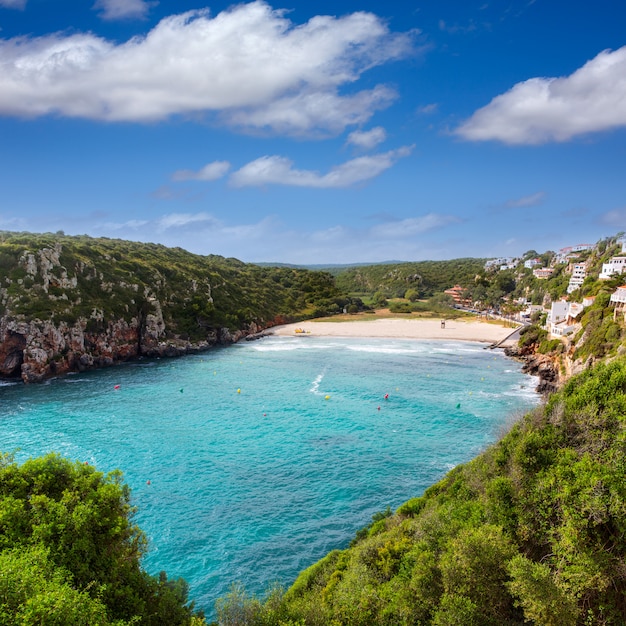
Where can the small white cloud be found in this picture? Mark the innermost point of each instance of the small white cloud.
(279, 170)
(616, 218)
(367, 139)
(181, 220)
(453, 29)
(249, 64)
(13, 4)
(211, 171)
(412, 226)
(527, 201)
(334, 233)
(539, 110)
(125, 226)
(123, 9)
(428, 109)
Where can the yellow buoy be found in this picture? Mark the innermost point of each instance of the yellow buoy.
(238, 390)
(326, 397)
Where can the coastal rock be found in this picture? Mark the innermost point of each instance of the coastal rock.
(540, 365)
(36, 350)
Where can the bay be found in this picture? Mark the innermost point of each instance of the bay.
(249, 463)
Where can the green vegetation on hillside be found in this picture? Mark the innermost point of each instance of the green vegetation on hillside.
(424, 277)
(69, 552)
(531, 531)
(61, 278)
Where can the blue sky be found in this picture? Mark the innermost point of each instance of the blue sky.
(316, 132)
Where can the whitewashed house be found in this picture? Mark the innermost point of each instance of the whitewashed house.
(562, 317)
(558, 312)
(532, 263)
(579, 273)
(565, 254)
(615, 265)
(618, 300)
(542, 273)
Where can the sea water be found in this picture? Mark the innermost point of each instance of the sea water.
(249, 463)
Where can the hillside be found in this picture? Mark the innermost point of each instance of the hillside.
(425, 277)
(531, 531)
(69, 303)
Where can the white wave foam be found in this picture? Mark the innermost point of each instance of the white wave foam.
(384, 350)
(315, 386)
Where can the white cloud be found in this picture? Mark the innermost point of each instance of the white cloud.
(412, 226)
(367, 139)
(249, 63)
(615, 218)
(123, 9)
(211, 171)
(539, 110)
(527, 201)
(181, 220)
(279, 170)
(13, 4)
(428, 109)
(315, 111)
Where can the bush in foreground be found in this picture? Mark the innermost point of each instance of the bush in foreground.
(70, 554)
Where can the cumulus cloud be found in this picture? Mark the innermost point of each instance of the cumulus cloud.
(367, 139)
(13, 4)
(249, 63)
(279, 170)
(540, 110)
(123, 9)
(211, 171)
(412, 226)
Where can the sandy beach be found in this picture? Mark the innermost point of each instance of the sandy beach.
(459, 330)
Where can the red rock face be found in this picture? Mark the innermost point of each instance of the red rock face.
(12, 354)
(36, 350)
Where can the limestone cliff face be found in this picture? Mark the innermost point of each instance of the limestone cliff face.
(127, 320)
(36, 350)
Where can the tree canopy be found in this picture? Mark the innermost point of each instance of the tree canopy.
(70, 553)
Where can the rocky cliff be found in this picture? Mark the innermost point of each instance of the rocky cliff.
(69, 304)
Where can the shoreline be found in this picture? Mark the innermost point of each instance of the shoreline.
(400, 328)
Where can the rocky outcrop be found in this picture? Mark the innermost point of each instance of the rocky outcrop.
(541, 365)
(36, 350)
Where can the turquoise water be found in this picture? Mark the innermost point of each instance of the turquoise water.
(264, 456)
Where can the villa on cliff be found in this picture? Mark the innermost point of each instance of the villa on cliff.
(615, 265)
(618, 301)
(561, 319)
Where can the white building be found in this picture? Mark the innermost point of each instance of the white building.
(619, 296)
(564, 253)
(615, 265)
(562, 317)
(579, 273)
(532, 263)
(543, 272)
(502, 263)
(558, 312)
